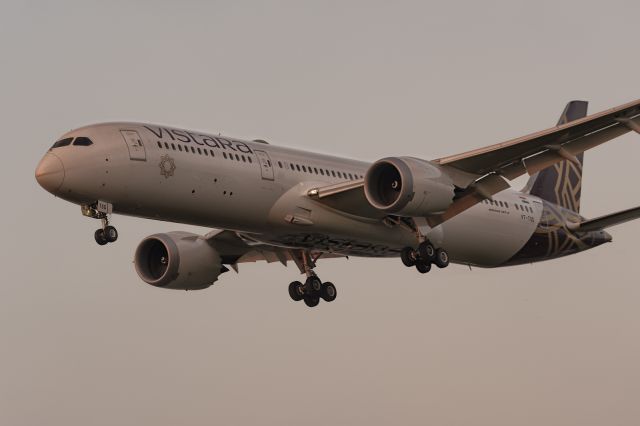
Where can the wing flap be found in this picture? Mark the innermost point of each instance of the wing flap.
(347, 197)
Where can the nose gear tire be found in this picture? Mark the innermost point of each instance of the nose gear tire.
(100, 237)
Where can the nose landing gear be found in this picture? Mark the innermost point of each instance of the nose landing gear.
(102, 211)
(106, 234)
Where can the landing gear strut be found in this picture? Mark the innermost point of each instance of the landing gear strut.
(424, 256)
(313, 288)
(100, 210)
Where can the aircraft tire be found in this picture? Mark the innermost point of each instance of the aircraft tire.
(296, 291)
(427, 251)
(328, 292)
(311, 301)
(100, 237)
(423, 267)
(313, 285)
(110, 234)
(442, 258)
(407, 257)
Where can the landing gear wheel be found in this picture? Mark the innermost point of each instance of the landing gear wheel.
(427, 251)
(100, 237)
(423, 266)
(328, 292)
(296, 291)
(313, 285)
(311, 301)
(442, 258)
(408, 256)
(111, 234)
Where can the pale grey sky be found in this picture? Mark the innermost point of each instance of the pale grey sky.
(84, 342)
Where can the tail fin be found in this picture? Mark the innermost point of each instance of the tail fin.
(561, 183)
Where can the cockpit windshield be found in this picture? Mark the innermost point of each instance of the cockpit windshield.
(82, 141)
(79, 141)
(62, 142)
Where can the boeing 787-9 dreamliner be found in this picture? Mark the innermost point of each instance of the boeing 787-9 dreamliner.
(285, 205)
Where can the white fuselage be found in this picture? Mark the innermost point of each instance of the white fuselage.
(260, 191)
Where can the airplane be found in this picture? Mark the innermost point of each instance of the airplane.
(278, 204)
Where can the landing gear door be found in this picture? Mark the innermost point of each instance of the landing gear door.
(266, 168)
(134, 143)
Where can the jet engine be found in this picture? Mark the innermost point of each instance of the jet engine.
(177, 260)
(407, 186)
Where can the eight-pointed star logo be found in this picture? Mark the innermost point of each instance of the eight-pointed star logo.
(167, 166)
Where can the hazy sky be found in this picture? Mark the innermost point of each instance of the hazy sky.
(83, 341)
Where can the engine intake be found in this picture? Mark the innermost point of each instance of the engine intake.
(177, 260)
(408, 186)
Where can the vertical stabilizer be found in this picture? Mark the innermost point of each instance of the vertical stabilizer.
(561, 183)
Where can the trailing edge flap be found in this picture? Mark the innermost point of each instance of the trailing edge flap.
(235, 248)
(606, 221)
(484, 188)
(537, 151)
(347, 197)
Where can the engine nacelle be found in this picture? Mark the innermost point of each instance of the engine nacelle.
(177, 260)
(407, 186)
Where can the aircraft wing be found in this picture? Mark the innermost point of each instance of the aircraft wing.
(606, 221)
(537, 151)
(481, 173)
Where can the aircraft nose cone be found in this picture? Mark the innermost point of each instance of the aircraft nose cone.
(50, 173)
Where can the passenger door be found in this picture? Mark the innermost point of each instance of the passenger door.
(266, 168)
(134, 143)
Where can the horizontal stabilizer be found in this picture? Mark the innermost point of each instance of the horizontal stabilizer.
(607, 221)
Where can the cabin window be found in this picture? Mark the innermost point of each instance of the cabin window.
(280, 164)
(173, 146)
(193, 150)
(179, 147)
(166, 145)
(212, 154)
(159, 144)
(199, 152)
(298, 167)
(206, 152)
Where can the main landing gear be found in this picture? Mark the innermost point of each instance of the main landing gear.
(313, 288)
(423, 257)
(101, 210)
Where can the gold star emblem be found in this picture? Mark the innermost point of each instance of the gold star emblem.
(167, 166)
